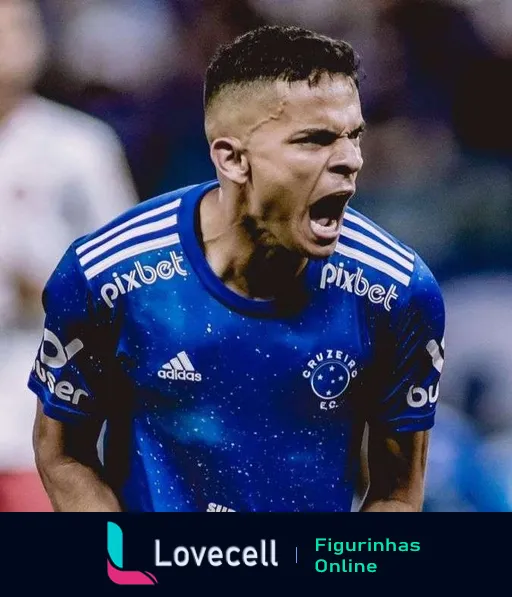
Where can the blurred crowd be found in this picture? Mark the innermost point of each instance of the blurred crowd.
(101, 107)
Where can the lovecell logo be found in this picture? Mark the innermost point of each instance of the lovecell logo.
(115, 569)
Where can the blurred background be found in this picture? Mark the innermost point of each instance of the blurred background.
(101, 107)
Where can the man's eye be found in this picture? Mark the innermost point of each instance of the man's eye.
(357, 134)
(318, 139)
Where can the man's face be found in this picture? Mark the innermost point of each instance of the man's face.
(21, 44)
(304, 159)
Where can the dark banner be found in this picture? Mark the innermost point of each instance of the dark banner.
(229, 554)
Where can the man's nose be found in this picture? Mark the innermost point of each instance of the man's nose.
(347, 159)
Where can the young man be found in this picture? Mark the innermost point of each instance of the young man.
(236, 335)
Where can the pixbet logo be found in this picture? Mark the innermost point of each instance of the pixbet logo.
(141, 275)
(64, 390)
(357, 284)
(329, 374)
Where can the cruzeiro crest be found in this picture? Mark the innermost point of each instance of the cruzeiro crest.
(329, 374)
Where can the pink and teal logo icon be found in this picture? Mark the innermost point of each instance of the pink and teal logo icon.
(115, 569)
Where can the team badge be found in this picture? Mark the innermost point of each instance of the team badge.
(329, 374)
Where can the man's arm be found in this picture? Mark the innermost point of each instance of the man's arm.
(397, 464)
(69, 467)
(406, 380)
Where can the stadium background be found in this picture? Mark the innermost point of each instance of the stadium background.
(438, 173)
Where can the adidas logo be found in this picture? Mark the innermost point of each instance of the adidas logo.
(181, 368)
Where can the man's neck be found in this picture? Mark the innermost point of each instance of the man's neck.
(240, 255)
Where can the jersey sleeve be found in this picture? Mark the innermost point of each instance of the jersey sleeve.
(416, 356)
(68, 372)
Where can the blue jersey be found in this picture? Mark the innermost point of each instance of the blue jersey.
(216, 402)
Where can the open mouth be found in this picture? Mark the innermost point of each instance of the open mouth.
(326, 215)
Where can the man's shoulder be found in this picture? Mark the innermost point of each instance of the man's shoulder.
(151, 225)
(379, 263)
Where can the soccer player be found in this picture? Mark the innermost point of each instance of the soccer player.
(236, 335)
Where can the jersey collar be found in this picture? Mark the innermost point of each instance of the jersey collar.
(188, 220)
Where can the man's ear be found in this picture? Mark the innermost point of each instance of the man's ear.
(230, 160)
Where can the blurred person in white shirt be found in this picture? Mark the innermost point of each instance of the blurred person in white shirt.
(62, 174)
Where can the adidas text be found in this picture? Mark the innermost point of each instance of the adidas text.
(181, 375)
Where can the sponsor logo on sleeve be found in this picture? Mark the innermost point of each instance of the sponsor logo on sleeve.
(54, 355)
(418, 397)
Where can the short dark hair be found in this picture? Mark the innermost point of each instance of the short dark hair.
(275, 52)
